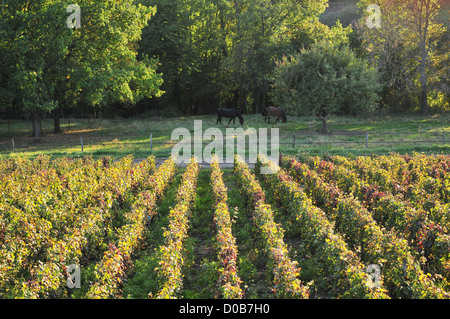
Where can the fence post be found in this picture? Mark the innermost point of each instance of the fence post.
(13, 145)
(151, 143)
(367, 139)
(443, 138)
(81, 142)
(293, 140)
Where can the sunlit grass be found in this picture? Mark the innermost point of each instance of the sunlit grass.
(120, 137)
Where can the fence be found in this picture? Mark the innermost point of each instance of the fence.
(147, 143)
(437, 138)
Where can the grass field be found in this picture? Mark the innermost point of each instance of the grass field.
(120, 137)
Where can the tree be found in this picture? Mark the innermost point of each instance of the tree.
(51, 66)
(190, 39)
(325, 79)
(422, 20)
(28, 50)
(222, 52)
(265, 31)
(410, 31)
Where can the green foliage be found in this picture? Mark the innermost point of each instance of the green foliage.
(402, 275)
(222, 52)
(47, 65)
(410, 51)
(325, 77)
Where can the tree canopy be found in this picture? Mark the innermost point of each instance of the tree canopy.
(410, 49)
(47, 65)
(325, 79)
(196, 56)
(222, 52)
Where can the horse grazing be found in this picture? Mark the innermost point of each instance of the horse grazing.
(274, 111)
(229, 113)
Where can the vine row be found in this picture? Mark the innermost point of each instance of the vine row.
(402, 274)
(286, 273)
(112, 268)
(229, 281)
(341, 269)
(428, 238)
(171, 253)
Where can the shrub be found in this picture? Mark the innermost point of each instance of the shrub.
(325, 78)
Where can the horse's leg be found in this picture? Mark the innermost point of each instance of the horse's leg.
(269, 119)
(230, 120)
(219, 119)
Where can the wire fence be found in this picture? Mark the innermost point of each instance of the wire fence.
(150, 142)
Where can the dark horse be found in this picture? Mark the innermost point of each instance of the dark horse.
(274, 111)
(229, 113)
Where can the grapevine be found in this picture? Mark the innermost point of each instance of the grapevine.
(286, 273)
(403, 276)
(229, 279)
(171, 259)
(342, 265)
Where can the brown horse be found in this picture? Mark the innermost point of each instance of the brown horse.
(274, 111)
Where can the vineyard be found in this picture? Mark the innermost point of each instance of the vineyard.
(317, 227)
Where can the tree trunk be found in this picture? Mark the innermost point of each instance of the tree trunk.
(257, 100)
(238, 12)
(423, 85)
(423, 36)
(424, 99)
(56, 120)
(324, 125)
(37, 124)
(322, 115)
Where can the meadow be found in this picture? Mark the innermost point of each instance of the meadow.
(121, 137)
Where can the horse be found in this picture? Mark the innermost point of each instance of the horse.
(274, 111)
(229, 113)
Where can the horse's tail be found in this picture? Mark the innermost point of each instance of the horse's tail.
(283, 115)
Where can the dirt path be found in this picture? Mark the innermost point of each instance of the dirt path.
(160, 160)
